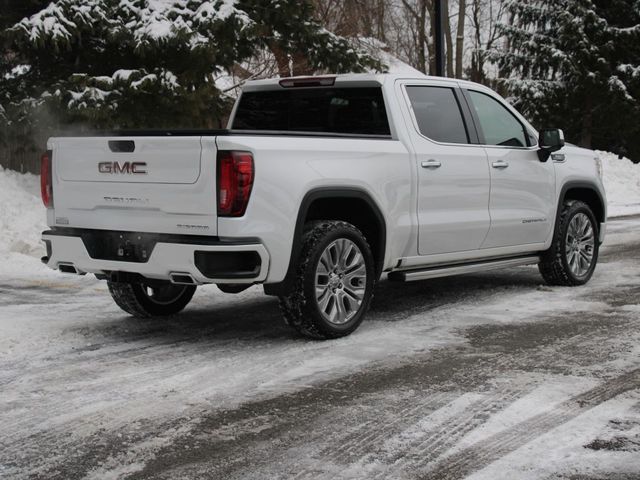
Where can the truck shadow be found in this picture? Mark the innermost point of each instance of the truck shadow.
(259, 318)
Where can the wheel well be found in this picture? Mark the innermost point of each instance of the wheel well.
(590, 197)
(358, 212)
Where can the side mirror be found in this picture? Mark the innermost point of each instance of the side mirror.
(550, 140)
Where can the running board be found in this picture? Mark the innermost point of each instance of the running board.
(450, 270)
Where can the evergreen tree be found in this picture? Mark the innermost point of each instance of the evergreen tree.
(576, 64)
(109, 63)
(300, 44)
(15, 127)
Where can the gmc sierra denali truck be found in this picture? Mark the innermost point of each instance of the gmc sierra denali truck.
(318, 187)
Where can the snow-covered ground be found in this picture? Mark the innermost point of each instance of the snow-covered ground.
(440, 370)
(490, 376)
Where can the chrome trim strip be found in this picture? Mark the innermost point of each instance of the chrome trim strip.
(437, 272)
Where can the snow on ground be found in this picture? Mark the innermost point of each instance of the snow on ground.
(622, 183)
(76, 368)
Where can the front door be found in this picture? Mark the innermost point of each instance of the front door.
(521, 206)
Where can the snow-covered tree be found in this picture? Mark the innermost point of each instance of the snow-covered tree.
(135, 63)
(575, 63)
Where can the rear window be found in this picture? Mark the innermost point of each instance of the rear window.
(358, 111)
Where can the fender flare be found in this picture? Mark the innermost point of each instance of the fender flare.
(311, 196)
(583, 185)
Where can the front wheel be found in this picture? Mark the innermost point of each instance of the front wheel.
(335, 276)
(153, 300)
(573, 254)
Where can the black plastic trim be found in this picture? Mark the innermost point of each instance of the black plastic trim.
(122, 146)
(228, 265)
(467, 116)
(311, 196)
(579, 184)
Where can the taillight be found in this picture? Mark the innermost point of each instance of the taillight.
(46, 187)
(235, 179)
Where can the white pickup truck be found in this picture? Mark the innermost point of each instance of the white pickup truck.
(319, 186)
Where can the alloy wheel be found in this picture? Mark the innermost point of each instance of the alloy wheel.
(340, 281)
(580, 244)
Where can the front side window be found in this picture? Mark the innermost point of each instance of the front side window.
(438, 114)
(498, 124)
(357, 111)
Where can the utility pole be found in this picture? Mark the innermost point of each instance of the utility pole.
(439, 40)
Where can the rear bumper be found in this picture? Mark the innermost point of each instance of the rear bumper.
(171, 257)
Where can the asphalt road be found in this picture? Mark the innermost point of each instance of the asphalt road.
(484, 376)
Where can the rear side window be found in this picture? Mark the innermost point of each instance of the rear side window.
(498, 124)
(438, 114)
(358, 111)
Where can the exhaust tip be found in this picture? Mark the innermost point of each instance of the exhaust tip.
(182, 279)
(67, 268)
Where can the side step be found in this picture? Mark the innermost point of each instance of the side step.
(460, 269)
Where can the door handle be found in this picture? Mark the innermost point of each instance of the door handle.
(500, 164)
(431, 163)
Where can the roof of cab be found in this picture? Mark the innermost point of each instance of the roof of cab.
(350, 78)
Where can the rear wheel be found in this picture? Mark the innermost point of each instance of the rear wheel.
(151, 300)
(334, 282)
(572, 257)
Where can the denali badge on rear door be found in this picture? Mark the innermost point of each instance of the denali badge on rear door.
(124, 167)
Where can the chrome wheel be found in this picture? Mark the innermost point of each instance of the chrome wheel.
(580, 244)
(164, 294)
(340, 281)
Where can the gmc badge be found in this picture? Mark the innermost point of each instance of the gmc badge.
(138, 168)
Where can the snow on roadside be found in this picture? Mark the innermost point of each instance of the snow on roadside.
(622, 182)
(22, 220)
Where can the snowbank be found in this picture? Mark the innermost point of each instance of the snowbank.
(622, 183)
(22, 219)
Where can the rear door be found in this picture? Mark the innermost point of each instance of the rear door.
(522, 205)
(142, 184)
(452, 171)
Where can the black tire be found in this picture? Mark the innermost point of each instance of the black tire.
(300, 307)
(554, 265)
(136, 300)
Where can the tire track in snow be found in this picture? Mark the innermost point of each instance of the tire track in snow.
(481, 454)
(442, 439)
(492, 356)
(360, 444)
(427, 445)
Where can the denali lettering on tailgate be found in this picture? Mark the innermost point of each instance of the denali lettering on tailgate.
(124, 167)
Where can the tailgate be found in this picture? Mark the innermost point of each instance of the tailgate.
(144, 184)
